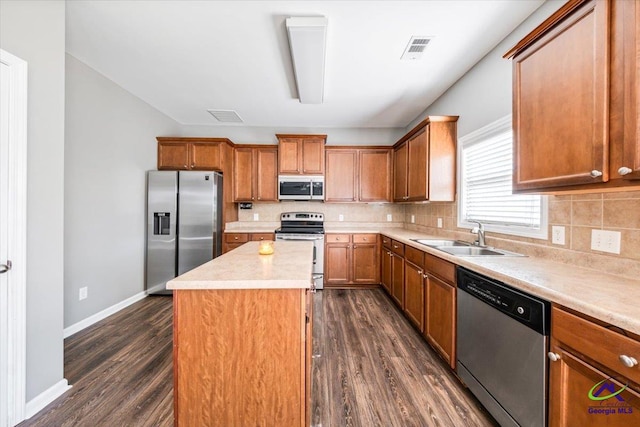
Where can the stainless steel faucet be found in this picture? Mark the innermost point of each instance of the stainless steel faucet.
(479, 230)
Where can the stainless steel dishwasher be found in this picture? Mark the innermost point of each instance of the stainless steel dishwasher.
(502, 344)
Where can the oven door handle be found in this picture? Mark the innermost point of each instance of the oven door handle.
(314, 255)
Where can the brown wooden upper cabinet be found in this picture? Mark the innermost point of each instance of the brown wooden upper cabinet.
(357, 174)
(256, 174)
(575, 99)
(190, 153)
(301, 154)
(424, 162)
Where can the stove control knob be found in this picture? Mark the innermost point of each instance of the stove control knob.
(520, 310)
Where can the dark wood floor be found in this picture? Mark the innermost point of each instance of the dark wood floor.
(371, 368)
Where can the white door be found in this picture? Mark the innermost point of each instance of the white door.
(13, 138)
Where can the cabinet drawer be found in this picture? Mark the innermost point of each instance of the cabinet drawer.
(365, 238)
(441, 268)
(397, 247)
(236, 237)
(414, 256)
(386, 242)
(596, 342)
(337, 238)
(262, 236)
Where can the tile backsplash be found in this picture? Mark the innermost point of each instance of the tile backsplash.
(578, 214)
(351, 212)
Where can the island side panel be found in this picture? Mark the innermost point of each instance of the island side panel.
(237, 357)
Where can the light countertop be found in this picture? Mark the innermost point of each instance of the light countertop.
(612, 299)
(290, 266)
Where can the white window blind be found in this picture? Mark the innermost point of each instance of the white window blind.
(486, 184)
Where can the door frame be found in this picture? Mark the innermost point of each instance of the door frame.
(16, 237)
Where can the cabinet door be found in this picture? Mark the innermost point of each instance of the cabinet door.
(337, 263)
(206, 156)
(400, 170)
(560, 103)
(626, 105)
(440, 318)
(397, 279)
(418, 176)
(289, 156)
(243, 182)
(375, 175)
(313, 156)
(414, 294)
(173, 156)
(340, 177)
(266, 176)
(571, 380)
(366, 264)
(386, 279)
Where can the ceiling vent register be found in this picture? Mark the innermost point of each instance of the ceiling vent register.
(226, 116)
(415, 48)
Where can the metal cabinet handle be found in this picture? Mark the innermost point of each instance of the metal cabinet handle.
(425, 276)
(186, 167)
(5, 267)
(337, 238)
(395, 246)
(235, 238)
(262, 238)
(554, 357)
(354, 246)
(628, 361)
(624, 170)
(595, 173)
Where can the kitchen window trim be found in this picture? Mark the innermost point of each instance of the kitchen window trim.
(495, 128)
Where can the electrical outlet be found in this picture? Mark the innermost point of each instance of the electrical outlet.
(256, 217)
(413, 219)
(605, 241)
(83, 293)
(389, 217)
(440, 223)
(557, 235)
(340, 217)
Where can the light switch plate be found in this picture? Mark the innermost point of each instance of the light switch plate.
(557, 235)
(605, 241)
(413, 219)
(389, 217)
(83, 293)
(256, 217)
(439, 222)
(340, 217)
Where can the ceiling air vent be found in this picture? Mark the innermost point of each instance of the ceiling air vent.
(226, 116)
(415, 48)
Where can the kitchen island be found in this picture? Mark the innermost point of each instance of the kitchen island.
(242, 338)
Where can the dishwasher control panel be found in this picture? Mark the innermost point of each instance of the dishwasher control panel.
(512, 302)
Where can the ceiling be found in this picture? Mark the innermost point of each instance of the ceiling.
(186, 57)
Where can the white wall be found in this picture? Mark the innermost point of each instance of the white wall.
(110, 144)
(483, 94)
(267, 135)
(35, 32)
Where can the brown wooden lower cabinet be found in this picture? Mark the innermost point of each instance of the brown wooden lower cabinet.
(440, 307)
(587, 369)
(414, 286)
(233, 240)
(221, 378)
(351, 260)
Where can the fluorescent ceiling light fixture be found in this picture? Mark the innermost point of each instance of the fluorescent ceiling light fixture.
(307, 41)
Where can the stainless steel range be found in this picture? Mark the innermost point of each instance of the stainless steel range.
(306, 226)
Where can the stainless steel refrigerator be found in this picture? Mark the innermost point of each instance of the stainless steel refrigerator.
(184, 224)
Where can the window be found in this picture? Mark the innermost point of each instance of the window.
(485, 193)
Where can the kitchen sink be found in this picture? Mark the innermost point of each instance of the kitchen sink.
(440, 242)
(475, 251)
(461, 248)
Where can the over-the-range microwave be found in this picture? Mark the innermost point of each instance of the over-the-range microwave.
(300, 187)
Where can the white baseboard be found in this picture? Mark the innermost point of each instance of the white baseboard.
(77, 327)
(38, 403)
